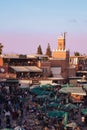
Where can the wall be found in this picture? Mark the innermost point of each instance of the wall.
(64, 66)
(1, 61)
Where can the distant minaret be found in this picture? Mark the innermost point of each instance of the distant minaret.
(61, 42)
(61, 51)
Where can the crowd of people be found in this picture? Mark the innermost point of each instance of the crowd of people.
(23, 110)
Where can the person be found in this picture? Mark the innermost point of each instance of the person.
(27, 109)
(77, 128)
(8, 125)
(83, 120)
(45, 128)
(0, 122)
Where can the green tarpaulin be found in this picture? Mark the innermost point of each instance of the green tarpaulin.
(46, 86)
(69, 107)
(65, 119)
(56, 114)
(39, 91)
(42, 96)
(53, 104)
(84, 111)
(67, 85)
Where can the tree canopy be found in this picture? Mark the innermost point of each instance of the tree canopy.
(1, 47)
(48, 51)
(39, 50)
(76, 53)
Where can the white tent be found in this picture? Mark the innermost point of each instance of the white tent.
(73, 90)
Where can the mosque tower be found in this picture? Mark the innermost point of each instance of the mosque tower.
(60, 52)
(61, 42)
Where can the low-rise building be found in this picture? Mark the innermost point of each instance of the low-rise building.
(80, 64)
(41, 66)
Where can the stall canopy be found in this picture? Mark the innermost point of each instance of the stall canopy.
(33, 69)
(26, 68)
(73, 90)
(46, 86)
(19, 69)
(59, 77)
(56, 114)
(42, 96)
(84, 111)
(68, 107)
(39, 91)
(72, 125)
(53, 104)
(12, 80)
(67, 85)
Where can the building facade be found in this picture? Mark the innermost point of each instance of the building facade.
(80, 64)
(61, 57)
(38, 65)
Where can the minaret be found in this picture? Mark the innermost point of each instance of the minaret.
(61, 52)
(61, 42)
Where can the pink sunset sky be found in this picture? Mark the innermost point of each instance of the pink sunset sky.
(28, 43)
(24, 25)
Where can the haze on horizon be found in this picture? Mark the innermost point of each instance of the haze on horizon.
(24, 24)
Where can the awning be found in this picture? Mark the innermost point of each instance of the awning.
(26, 68)
(56, 114)
(53, 104)
(84, 111)
(68, 107)
(73, 90)
(19, 68)
(12, 80)
(33, 69)
(46, 86)
(58, 77)
(67, 85)
(71, 125)
(38, 91)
